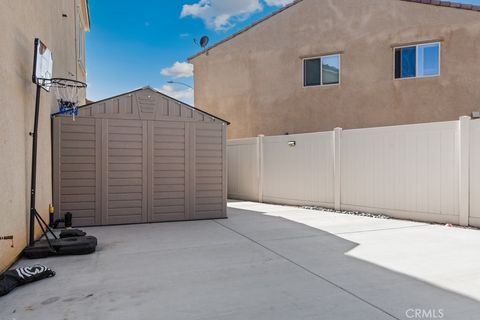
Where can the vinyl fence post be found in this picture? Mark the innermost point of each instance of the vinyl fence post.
(464, 174)
(337, 136)
(260, 166)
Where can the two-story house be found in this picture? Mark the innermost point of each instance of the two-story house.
(319, 64)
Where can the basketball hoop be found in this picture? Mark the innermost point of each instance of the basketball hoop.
(67, 92)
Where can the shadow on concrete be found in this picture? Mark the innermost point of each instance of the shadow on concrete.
(250, 266)
(323, 254)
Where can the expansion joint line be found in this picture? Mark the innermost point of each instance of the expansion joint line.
(308, 270)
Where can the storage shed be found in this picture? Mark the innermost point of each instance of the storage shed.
(139, 157)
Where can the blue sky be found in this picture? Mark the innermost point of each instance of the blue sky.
(131, 42)
(136, 43)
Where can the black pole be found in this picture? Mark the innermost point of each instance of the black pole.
(34, 167)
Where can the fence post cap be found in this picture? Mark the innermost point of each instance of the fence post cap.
(465, 118)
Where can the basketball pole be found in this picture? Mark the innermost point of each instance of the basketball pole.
(41, 82)
(34, 215)
(33, 187)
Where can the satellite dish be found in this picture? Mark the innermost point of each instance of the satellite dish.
(204, 42)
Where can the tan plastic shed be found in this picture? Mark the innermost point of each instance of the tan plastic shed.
(139, 157)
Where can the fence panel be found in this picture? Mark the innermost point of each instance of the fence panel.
(475, 173)
(300, 174)
(243, 169)
(425, 172)
(409, 171)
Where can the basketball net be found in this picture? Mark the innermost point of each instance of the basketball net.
(67, 99)
(67, 93)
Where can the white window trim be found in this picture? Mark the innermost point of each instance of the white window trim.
(416, 60)
(81, 41)
(339, 55)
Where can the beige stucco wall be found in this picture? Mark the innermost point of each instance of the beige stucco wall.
(20, 23)
(255, 80)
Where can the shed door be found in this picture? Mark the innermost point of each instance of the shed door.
(170, 149)
(124, 185)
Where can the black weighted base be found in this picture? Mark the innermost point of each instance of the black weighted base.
(61, 247)
(70, 233)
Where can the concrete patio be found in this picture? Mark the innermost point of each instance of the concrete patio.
(264, 262)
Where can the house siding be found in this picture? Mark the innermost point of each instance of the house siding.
(21, 22)
(255, 79)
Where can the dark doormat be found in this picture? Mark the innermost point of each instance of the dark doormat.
(12, 279)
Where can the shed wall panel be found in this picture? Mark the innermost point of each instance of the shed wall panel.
(209, 171)
(75, 184)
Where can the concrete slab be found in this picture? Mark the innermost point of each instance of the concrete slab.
(443, 256)
(250, 266)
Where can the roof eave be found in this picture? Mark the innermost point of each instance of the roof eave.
(154, 90)
(190, 59)
(447, 4)
(438, 3)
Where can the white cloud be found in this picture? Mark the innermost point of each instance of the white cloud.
(222, 14)
(182, 94)
(277, 3)
(178, 70)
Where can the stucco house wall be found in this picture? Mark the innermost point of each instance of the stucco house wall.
(255, 79)
(20, 23)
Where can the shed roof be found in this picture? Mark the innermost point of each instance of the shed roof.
(438, 3)
(186, 105)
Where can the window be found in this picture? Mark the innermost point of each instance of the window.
(321, 71)
(417, 61)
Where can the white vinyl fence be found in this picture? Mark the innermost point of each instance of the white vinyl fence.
(427, 172)
(243, 169)
(474, 173)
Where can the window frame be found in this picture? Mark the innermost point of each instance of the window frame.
(80, 41)
(416, 46)
(339, 55)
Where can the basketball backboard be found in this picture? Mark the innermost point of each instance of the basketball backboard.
(42, 64)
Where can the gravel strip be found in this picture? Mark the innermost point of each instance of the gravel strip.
(354, 213)
(378, 216)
